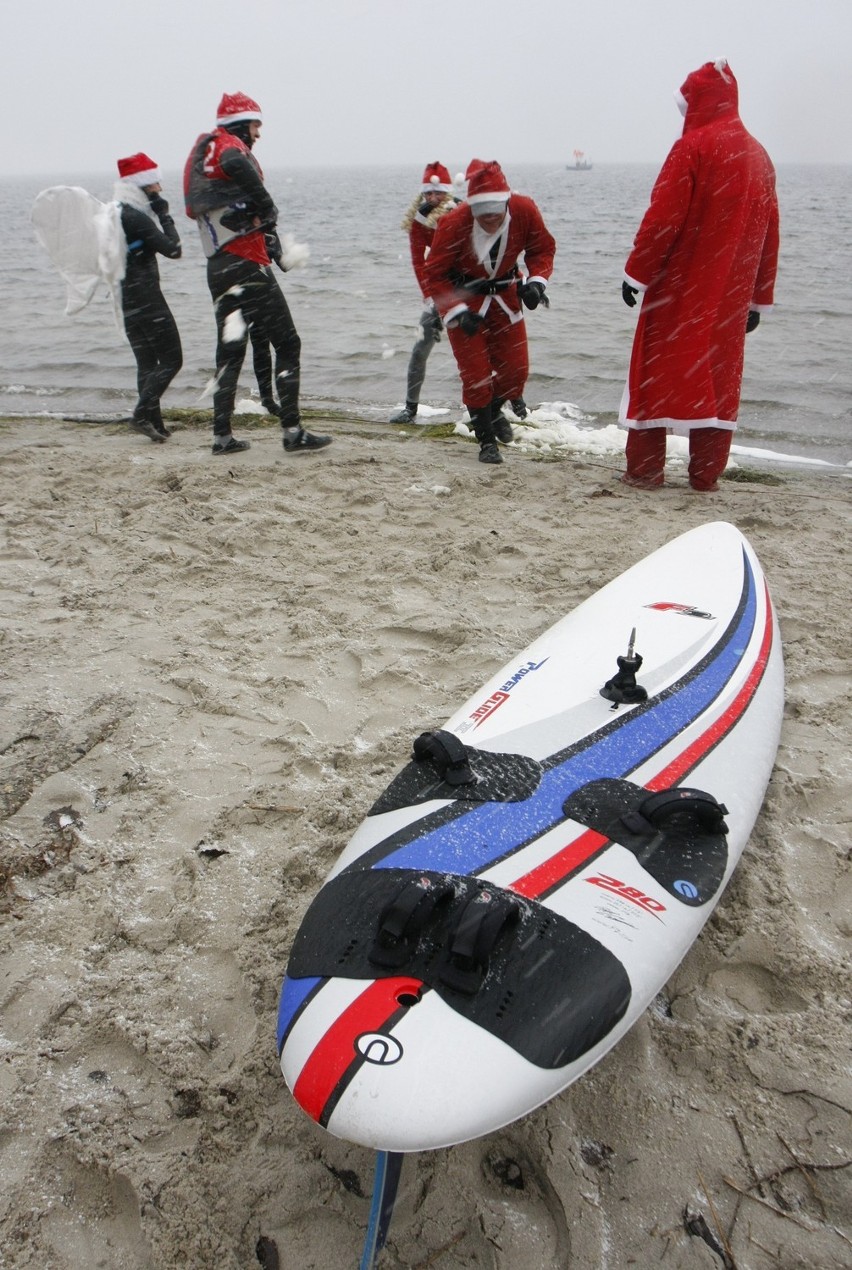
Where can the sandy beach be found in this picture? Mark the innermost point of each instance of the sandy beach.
(210, 669)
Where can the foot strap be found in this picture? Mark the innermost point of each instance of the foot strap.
(447, 754)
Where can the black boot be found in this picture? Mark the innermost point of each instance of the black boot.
(407, 414)
(298, 441)
(502, 426)
(483, 426)
(156, 417)
(144, 426)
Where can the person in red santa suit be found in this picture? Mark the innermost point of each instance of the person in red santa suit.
(225, 194)
(473, 277)
(705, 260)
(434, 200)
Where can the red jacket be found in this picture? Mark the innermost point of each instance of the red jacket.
(419, 223)
(705, 253)
(420, 242)
(456, 279)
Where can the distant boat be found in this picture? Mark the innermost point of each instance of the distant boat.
(582, 162)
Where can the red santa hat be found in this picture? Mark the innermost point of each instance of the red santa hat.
(436, 177)
(139, 170)
(236, 107)
(487, 188)
(473, 166)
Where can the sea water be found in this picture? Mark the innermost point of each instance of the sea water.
(356, 305)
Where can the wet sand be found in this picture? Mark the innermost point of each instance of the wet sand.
(211, 667)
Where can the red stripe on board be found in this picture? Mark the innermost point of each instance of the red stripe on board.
(546, 875)
(336, 1052)
(553, 871)
(693, 753)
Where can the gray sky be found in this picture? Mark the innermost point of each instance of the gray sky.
(393, 81)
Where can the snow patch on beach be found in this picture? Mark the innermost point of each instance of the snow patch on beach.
(560, 426)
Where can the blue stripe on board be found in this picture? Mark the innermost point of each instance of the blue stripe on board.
(294, 995)
(489, 831)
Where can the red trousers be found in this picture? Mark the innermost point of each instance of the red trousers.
(494, 362)
(708, 455)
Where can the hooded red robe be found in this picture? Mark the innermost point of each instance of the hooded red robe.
(705, 254)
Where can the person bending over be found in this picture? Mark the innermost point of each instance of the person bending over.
(472, 275)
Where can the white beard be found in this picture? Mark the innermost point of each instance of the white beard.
(482, 243)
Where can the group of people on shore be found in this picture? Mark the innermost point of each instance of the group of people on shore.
(704, 261)
(224, 193)
(479, 263)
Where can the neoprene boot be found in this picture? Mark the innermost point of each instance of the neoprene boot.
(483, 427)
(143, 425)
(502, 426)
(156, 418)
(407, 414)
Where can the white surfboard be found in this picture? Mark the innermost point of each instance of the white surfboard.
(527, 884)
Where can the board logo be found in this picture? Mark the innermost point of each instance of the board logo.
(495, 701)
(376, 1048)
(664, 606)
(616, 887)
(686, 888)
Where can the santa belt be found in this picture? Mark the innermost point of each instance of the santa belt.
(485, 286)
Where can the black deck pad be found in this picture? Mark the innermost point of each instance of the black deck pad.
(510, 965)
(686, 852)
(499, 778)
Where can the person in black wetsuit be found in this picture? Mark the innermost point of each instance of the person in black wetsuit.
(224, 193)
(261, 349)
(148, 321)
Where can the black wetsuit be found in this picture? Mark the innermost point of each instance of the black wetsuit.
(250, 290)
(148, 320)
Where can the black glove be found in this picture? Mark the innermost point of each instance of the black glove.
(752, 321)
(274, 249)
(629, 294)
(159, 206)
(531, 294)
(239, 217)
(470, 323)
